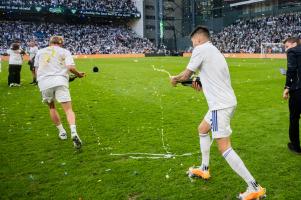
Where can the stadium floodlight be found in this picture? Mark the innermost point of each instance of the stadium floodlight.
(271, 48)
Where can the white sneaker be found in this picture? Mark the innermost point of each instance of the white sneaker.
(76, 141)
(17, 85)
(11, 85)
(252, 194)
(63, 136)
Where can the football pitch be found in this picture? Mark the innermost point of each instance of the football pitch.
(140, 135)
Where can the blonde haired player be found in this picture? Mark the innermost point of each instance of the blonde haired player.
(52, 65)
(216, 85)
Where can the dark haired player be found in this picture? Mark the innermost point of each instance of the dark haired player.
(216, 85)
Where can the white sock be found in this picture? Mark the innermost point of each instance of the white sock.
(239, 167)
(205, 144)
(73, 128)
(61, 128)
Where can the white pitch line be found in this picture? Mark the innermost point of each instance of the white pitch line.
(126, 154)
(168, 154)
(162, 127)
(152, 155)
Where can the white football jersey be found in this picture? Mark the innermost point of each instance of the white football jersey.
(51, 63)
(15, 57)
(214, 76)
(32, 52)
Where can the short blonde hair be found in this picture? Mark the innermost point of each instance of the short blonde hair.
(59, 40)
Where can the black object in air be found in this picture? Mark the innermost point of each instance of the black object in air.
(191, 80)
(95, 69)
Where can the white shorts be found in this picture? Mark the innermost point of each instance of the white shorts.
(220, 122)
(60, 93)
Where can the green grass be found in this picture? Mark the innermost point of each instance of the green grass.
(120, 110)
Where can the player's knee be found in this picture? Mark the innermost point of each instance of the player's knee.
(69, 112)
(222, 149)
(202, 129)
(223, 145)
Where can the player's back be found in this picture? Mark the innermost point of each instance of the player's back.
(51, 66)
(15, 57)
(215, 77)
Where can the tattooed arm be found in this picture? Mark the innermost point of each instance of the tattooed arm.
(183, 76)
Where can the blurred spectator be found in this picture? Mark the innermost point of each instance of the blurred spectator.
(246, 36)
(80, 39)
(96, 5)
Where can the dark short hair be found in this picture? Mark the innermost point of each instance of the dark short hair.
(202, 30)
(15, 46)
(292, 40)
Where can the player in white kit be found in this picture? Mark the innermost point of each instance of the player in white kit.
(32, 51)
(53, 64)
(214, 75)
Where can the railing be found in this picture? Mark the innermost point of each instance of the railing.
(62, 10)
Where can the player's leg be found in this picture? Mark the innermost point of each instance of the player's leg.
(67, 106)
(62, 95)
(205, 143)
(54, 115)
(294, 108)
(224, 146)
(33, 73)
(18, 75)
(10, 76)
(48, 96)
(221, 131)
(254, 190)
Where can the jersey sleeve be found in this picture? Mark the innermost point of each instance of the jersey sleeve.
(196, 60)
(69, 59)
(8, 51)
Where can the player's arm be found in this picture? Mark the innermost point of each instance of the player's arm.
(74, 71)
(193, 66)
(291, 72)
(183, 76)
(71, 65)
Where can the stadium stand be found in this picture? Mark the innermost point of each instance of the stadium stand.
(98, 5)
(80, 39)
(246, 36)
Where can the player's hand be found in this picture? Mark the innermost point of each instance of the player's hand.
(285, 94)
(195, 85)
(173, 81)
(81, 74)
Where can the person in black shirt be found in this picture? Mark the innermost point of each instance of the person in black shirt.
(292, 90)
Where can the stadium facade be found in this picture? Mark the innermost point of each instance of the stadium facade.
(176, 18)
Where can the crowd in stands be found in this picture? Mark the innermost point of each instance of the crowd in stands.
(246, 36)
(79, 39)
(95, 5)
